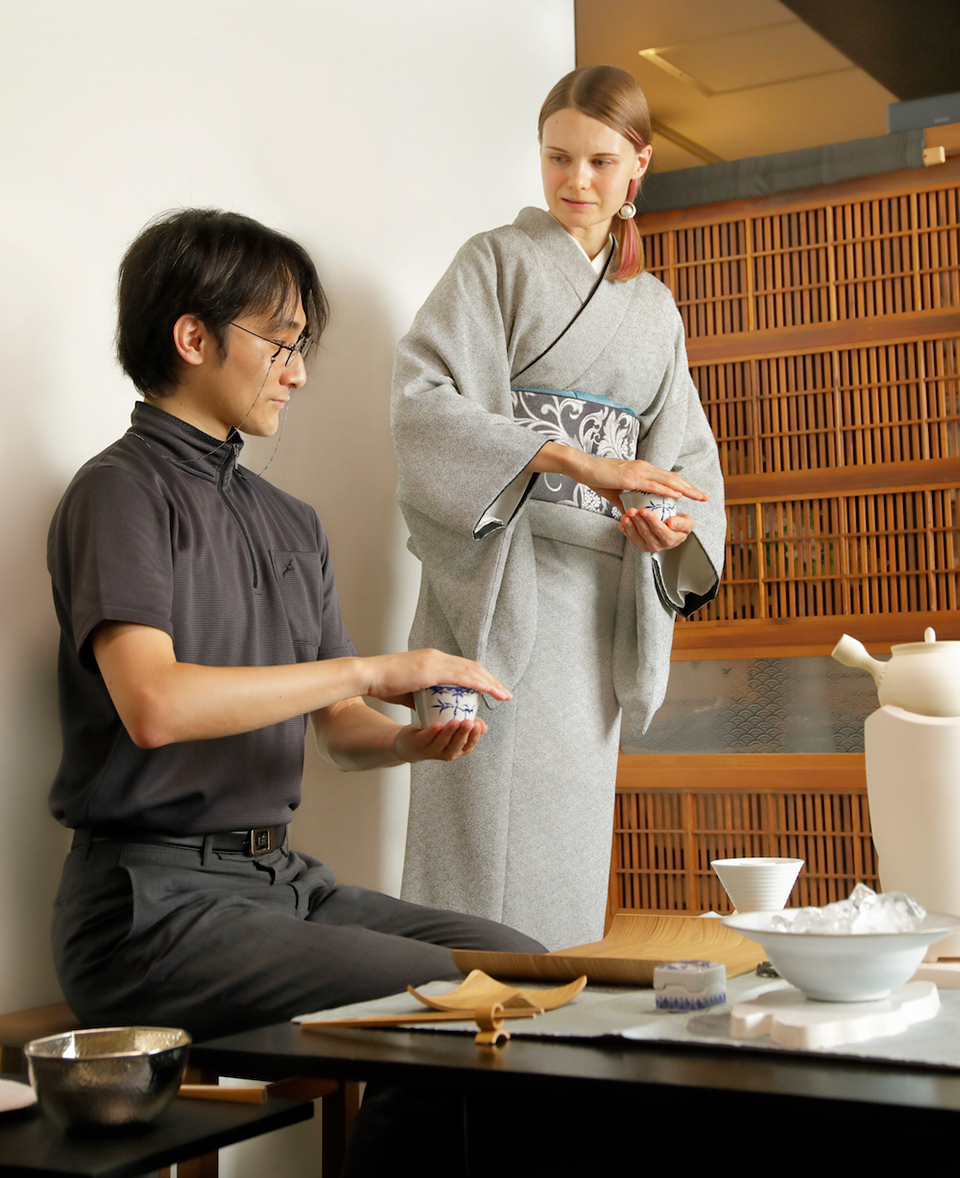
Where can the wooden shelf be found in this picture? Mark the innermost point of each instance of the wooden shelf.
(795, 637)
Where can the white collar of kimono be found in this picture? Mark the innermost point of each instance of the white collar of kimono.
(600, 260)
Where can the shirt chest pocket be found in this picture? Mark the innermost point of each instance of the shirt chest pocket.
(299, 578)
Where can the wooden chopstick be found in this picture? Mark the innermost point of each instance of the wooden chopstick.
(398, 1020)
(247, 1095)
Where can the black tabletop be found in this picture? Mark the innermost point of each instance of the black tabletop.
(30, 1145)
(285, 1049)
(568, 1088)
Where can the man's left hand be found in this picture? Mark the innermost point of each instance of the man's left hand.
(438, 742)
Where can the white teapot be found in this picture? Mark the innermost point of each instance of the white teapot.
(921, 677)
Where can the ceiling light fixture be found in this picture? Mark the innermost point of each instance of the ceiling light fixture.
(656, 57)
(688, 145)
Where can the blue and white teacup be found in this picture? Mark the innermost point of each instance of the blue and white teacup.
(663, 507)
(444, 703)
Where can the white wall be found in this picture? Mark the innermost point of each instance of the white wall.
(380, 133)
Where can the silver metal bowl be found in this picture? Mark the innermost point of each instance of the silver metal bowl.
(112, 1076)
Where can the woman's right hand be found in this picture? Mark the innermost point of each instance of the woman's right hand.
(395, 677)
(609, 476)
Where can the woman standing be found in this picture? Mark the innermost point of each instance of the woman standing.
(545, 374)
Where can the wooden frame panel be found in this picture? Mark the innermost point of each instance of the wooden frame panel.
(675, 813)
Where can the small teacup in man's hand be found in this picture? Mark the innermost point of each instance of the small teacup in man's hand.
(444, 702)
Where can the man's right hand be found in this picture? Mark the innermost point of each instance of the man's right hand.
(395, 677)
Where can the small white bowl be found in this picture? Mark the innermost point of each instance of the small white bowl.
(662, 506)
(445, 702)
(843, 967)
(761, 883)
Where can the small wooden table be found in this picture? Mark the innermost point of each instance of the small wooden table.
(31, 1146)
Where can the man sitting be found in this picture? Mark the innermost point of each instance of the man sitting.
(200, 626)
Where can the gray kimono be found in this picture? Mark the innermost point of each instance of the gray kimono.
(541, 587)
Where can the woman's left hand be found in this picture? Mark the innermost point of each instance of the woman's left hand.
(648, 533)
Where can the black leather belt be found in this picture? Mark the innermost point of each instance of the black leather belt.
(259, 840)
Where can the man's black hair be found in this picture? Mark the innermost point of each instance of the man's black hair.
(211, 264)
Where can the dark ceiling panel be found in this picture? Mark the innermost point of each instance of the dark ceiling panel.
(912, 47)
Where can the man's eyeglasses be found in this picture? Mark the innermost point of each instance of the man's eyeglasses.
(301, 347)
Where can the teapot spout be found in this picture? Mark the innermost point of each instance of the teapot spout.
(852, 653)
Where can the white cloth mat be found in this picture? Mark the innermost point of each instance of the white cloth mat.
(632, 1014)
(14, 1095)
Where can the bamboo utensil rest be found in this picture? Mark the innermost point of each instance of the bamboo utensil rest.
(479, 998)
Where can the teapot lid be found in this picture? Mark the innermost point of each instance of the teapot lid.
(928, 645)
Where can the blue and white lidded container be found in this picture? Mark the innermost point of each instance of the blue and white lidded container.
(690, 985)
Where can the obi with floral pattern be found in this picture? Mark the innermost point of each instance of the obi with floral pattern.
(591, 423)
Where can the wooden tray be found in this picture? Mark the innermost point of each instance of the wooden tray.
(628, 954)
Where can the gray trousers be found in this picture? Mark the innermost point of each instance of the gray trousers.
(217, 941)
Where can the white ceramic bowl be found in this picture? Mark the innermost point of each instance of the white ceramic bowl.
(662, 506)
(758, 884)
(444, 703)
(843, 967)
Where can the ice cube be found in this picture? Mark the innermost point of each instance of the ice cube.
(864, 911)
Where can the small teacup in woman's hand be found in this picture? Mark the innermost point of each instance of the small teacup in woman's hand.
(664, 507)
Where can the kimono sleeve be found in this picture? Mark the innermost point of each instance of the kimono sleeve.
(688, 577)
(460, 455)
(110, 556)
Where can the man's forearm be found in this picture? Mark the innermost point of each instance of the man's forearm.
(162, 701)
(173, 701)
(352, 735)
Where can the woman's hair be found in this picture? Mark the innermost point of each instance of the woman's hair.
(611, 96)
(215, 265)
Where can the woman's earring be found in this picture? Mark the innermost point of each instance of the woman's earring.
(627, 210)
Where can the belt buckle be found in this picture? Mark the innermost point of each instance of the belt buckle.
(261, 840)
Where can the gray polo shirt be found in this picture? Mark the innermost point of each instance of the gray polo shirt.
(164, 528)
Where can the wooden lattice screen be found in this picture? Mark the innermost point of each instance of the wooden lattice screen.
(823, 332)
(674, 814)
